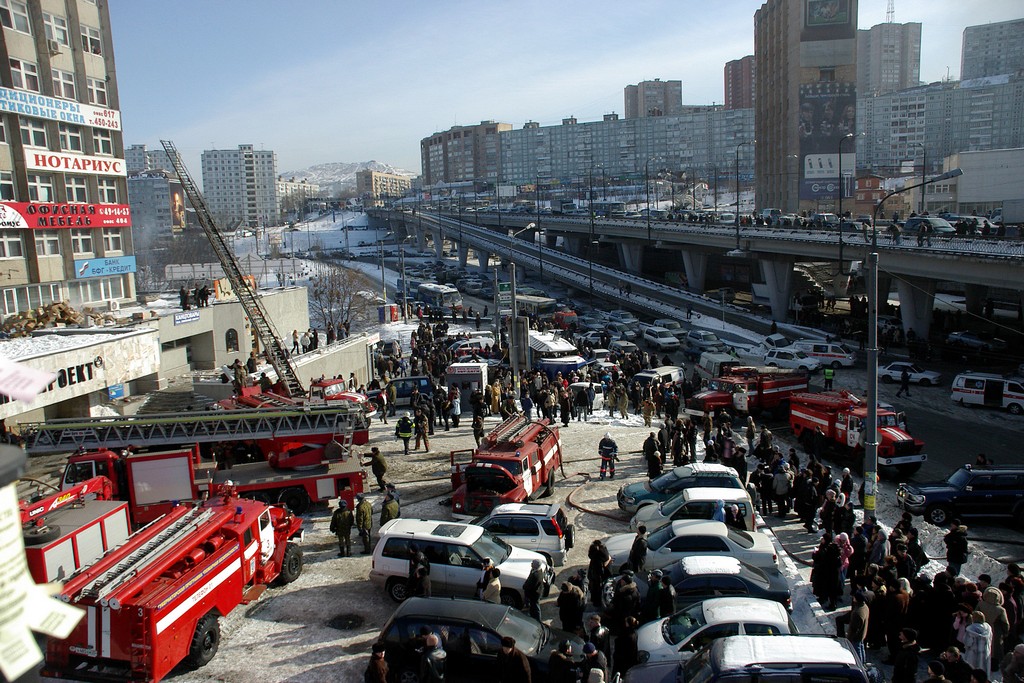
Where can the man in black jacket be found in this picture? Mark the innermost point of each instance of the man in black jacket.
(905, 659)
(513, 666)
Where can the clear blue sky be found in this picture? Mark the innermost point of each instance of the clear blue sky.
(341, 80)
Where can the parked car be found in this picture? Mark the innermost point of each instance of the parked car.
(968, 492)
(470, 632)
(540, 527)
(699, 341)
(619, 330)
(673, 326)
(979, 341)
(680, 636)
(696, 502)
(632, 497)
(697, 537)
(893, 372)
(621, 346)
(661, 339)
(940, 227)
(792, 359)
(622, 316)
(598, 392)
(456, 552)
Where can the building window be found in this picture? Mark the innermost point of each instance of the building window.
(102, 142)
(3, 132)
(63, 84)
(97, 91)
(56, 28)
(24, 75)
(33, 132)
(14, 14)
(81, 242)
(107, 190)
(95, 290)
(47, 243)
(10, 244)
(112, 240)
(7, 186)
(76, 189)
(32, 296)
(70, 137)
(91, 40)
(231, 340)
(40, 188)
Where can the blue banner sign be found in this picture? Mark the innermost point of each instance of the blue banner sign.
(99, 267)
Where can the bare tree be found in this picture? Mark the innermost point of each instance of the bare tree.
(337, 294)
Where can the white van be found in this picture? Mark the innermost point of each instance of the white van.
(828, 353)
(985, 389)
(660, 375)
(714, 364)
(456, 552)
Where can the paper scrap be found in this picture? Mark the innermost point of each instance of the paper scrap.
(24, 606)
(22, 382)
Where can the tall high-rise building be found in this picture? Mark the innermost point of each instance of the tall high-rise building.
(138, 159)
(462, 153)
(739, 83)
(805, 54)
(65, 225)
(888, 58)
(653, 98)
(240, 185)
(992, 49)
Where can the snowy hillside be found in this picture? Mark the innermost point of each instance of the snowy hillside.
(340, 175)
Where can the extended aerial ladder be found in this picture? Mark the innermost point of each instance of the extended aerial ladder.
(173, 429)
(251, 304)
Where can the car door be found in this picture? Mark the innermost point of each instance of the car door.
(707, 635)
(523, 533)
(462, 570)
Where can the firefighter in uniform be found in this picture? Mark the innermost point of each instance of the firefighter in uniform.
(609, 452)
(403, 430)
(829, 374)
(379, 466)
(364, 521)
(341, 526)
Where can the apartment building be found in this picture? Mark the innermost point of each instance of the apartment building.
(240, 186)
(739, 83)
(888, 58)
(374, 186)
(653, 98)
(462, 153)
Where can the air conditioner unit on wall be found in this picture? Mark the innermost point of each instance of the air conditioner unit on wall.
(113, 305)
(54, 47)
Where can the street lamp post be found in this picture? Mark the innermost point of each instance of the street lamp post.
(512, 348)
(924, 169)
(842, 189)
(590, 244)
(647, 187)
(738, 250)
(871, 426)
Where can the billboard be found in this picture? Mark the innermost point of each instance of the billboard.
(37, 216)
(74, 163)
(57, 109)
(828, 33)
(102, 267)
(177, 197)
(828, 112)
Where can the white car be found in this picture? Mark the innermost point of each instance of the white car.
(598, 392)
(893, 372)
(697, 537)
(673, 326)
(618, 330)
(788, 358)
(680, 636)
(661, 339)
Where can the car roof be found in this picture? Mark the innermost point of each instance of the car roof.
(699, 526)
(737, 652)
(702, 468)
(542, 509)
(695, 565)
(474, 611)
(432, 530)
(730, 609)
(714, 493)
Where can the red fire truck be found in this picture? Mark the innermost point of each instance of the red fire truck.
(516, 462)
(749, 390)
(154, 598)
(841, 416)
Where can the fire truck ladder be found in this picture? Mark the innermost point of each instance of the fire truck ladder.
(145, 555)
(175, 429)
(509, 430)
(251, 303)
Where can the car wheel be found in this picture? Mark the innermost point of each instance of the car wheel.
(205, 642)
(937, 515)
(570, 535)
(548, 559)
(408, 676)
(38, 535)
(925, 382)
(886, 379)
(291, 565)
(397, 590)
(510, 598)
(773, 364)
(295, 499)
(1015, 409)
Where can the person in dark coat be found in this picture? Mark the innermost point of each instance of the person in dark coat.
(377, 669)
(825, 563)
(638, 551)
(625, 647)
(513, 666)
(571, 604)
(598, 571)
(905, 659)
(593, 659)
(561, 668)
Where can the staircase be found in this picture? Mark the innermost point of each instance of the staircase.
(246, 292)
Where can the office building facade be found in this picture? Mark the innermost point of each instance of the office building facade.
(462, 153)
(241, 185)
(739, 83)
(65, 224)
(992, 50)
(374, 186)
(888, 58)
(653, 98)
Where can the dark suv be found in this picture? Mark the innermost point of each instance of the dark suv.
(995, 491)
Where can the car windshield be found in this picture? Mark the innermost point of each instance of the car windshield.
(887, 420)
(960, 478)
(663, 482)
(741, 538)
(755, 576)
(681, 625)
(492, 547)
(660, 537)
(698, 669)
(669, 507)
(530, 635)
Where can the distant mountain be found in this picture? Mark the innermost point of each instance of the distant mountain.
(336, 176)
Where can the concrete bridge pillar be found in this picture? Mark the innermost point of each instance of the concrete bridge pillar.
(884, 290)
(549, 241)
(631, 257)
(695, 265)
(421, 240)
(483, 258)
(575, 245)
(975, 296)
(438, 237)
(917, 298)
(463, 251)
(778, 276)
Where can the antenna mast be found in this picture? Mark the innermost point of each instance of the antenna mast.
(890, 12)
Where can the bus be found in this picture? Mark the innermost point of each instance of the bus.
(609, 209)
(444, 297)
(537, 306)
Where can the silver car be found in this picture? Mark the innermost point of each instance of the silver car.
(539, 527)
